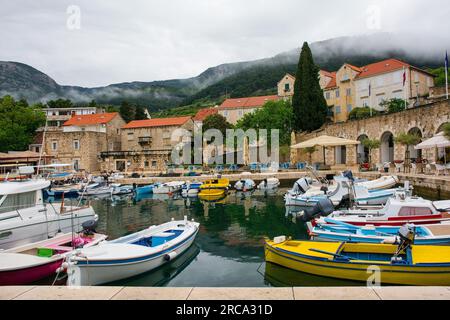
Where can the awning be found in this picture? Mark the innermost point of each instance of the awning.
(438, 141)
(325, 141)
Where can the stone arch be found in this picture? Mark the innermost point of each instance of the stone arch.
(387, 147)
(362, 152)
(441, 127)
(413, 153)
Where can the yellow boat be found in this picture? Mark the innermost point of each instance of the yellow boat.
(417, 265)
(214, 189)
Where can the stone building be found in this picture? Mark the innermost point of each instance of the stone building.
(286, 86)
(425, 121)
(146, 145)
(81, 139)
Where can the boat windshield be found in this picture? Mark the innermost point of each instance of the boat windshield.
(17, 201)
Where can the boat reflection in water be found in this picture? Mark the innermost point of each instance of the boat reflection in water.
(279, 276)
(161, 276)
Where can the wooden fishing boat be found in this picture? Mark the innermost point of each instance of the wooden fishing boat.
(214, 188)
(338, 231)
(416, 265)
(131, 255)
(29, 263)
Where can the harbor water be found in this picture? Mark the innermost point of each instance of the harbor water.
(228, 251)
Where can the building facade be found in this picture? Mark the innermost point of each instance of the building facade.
(81, 139)
(424, 121)
(286, 86)
(340, 92)
(146, 145)
(235, 109)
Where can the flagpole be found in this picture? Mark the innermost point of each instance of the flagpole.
(404, 83)
(446, 73)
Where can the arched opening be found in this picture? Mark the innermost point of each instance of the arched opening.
(414, 154)
(443, 154)
(363, 152)
(387, 147)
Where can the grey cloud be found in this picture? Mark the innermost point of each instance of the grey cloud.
(146, 40)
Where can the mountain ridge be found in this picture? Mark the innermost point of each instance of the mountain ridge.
(238, 78)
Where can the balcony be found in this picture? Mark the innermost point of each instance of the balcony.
(145, 141)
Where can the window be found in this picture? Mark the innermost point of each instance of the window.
(225, 113)
(411, 211)
(54, 145)
(18, 201)
(337, 93)
(76, 144)
(241, 113)
(167, 142)
(349, 92)
(337, 109)
(365, 102)
(349, 108)
(287, 87)
(327, 96)
(146, 164)
(154, 164)
(76, 164)
(130, 136)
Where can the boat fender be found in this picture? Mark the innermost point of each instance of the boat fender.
(170, 256)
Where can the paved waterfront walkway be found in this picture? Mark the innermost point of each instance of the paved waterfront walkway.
(306, 293)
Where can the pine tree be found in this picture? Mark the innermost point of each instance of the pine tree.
(309, 104)
(140, 113)
(127, 111)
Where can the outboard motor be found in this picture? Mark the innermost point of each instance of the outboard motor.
(324, 208)
(349, 175)
(407, 234)
(301, 186)
(89, 227)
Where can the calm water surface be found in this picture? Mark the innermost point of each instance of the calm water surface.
(228, 251)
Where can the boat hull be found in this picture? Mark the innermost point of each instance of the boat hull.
(29, 275)
(389, 274)
(110, 271)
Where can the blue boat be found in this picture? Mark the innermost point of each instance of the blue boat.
(339, 231)
(145, 189)
(59, 193)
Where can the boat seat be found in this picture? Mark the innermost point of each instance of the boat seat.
(60, 248)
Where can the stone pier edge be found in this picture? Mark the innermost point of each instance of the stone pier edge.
(197, 293)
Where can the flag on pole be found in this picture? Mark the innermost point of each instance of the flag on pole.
(446, 73)
(370, 95)
(406, 91)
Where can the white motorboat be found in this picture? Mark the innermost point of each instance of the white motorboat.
(131, 255)
(118, 189)
(169, 187)
(25, 218)
(191, 189)
(341, 191)
(269, 184)
(98, 190)
(385, 182)
(245, 185)
(399, 210)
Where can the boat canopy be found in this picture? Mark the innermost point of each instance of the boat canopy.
(15, 187)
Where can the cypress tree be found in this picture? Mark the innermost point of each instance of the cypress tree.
(309, 105)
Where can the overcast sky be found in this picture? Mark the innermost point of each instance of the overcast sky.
(145, 40)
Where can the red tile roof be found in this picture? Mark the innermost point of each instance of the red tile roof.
(157, 122)
(248, 102)
(332, 84)
(90, 119)
(381, 67)
(202, 114)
